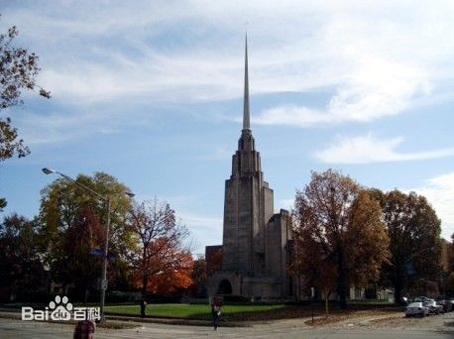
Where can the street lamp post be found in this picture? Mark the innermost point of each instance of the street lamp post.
(104, 264)
(107, 200)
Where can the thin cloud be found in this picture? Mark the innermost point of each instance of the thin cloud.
(373, 63)
(292, 116)
(439, 191)
(375, 90)
(370, 149)
(367, 58)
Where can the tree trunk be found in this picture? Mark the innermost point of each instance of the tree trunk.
(144, 284)
(398, 292)
(144, 265)
(398, 284)
(326, 302)
(342, 279)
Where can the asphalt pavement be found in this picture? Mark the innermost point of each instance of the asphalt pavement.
(393, 325)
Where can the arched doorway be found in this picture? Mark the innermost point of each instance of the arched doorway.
(225, 287)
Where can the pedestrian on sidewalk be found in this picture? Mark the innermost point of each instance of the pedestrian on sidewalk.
(216, 304)
(143, 306)
(84, 329)
(216, 313)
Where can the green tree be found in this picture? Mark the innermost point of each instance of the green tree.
(449, 285)
(451, 254)
(414, 230)
(21, 268)
(77, 265)
(68, 209)
(339, 233)
(18, 70)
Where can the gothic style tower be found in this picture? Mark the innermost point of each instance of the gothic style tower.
(252, 259)
(248, 203)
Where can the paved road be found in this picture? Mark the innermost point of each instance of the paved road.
(437, 327)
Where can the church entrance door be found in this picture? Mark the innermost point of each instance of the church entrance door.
(225, 287)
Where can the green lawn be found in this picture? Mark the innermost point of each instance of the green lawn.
(246, 311)
(195, 311)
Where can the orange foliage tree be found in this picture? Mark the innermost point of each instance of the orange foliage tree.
(170, 270)
(161, 264)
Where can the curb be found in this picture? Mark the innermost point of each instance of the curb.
(175, 321)
(170, 321)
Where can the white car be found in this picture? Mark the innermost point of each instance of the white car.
(433, 306)
(416, 308)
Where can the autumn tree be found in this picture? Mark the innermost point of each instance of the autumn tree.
(414, 230)
(366, 239)
(451, 254)
(175, 276)
(21, 268)
(159, 249)
(68, 209)
(339, 234)
(314, 268)
(18, 70)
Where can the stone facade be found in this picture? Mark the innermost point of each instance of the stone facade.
(253, 257)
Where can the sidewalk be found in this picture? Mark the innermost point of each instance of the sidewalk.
(16, 314)
(378, 320)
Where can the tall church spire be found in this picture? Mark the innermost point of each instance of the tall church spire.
(246, 114)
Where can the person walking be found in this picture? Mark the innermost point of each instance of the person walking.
(84, 329)
(216, 313)
(143, 306)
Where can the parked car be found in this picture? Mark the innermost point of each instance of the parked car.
(434, 307)
(416, 308)
(448, 304)
(421, 299)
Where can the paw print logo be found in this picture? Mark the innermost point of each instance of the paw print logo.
(60, 308)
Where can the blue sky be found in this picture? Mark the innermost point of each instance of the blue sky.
(151, 92)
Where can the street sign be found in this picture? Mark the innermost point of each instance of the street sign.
(97, 251)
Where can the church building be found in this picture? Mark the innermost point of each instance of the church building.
(252, 260)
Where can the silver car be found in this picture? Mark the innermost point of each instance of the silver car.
(416, 308)
(434, 307)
